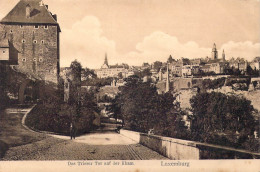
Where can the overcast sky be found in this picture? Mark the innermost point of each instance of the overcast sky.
(137, 31)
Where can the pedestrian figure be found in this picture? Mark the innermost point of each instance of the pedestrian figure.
(72, 131)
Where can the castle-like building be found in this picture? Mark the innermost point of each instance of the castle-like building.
(30, 40)
(112, 71)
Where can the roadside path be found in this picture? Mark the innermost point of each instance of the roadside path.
(25, 144)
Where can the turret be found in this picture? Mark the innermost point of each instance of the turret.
(223, 55)
(28, 11)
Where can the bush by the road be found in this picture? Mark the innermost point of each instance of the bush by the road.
(56, 118)
(3, 148)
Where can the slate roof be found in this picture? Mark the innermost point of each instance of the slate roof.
(39, 13)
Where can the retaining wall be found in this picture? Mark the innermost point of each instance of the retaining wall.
(179, 149)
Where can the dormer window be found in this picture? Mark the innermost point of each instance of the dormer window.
(36, 27)
(40, 60)
(34, 59)
(42, 41)
(24, 59)
(23, 41)
(4, 52)
(35, 41)
(21, 26)
(11, 31)
(45, 26)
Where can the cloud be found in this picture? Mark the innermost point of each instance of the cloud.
(247, 49)
(159, 45)
(85, 42)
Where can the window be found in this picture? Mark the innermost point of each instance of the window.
(24, 59)
(40, 60)
(42, 41)
(45, 26)
(36, 27)
(4, 52)
(23, 41)
(11, 31)
(34, 59)
(21, 26)
(35, 42)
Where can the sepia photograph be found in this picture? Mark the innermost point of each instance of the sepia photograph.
(129, 83)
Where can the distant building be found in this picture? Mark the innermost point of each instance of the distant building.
(255, 64)
(238, 63)
(111, 70)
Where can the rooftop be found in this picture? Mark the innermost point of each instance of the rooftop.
(39, 13)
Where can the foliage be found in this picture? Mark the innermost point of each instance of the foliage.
(141, 109)
(213, 84)
(99, 82)
(55, 116)
(238, 83)
(221, 119)
(157, 65)
(255, 83)
(88, 73)
(143, 73)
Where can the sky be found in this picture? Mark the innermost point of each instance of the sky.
(137, 31)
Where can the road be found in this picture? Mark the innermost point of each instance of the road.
(28, 145)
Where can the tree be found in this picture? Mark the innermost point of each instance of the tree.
(222, 119)
(120, 75)
(142, 108)
(157, 65)
(75, 75)
(254, 84)
(88, 73)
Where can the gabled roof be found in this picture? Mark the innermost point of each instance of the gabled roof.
(39, 13)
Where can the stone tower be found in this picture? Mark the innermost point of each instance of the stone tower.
(167, 89)
(214, 53)
(106, 61)
(223, 55)
(33, 34)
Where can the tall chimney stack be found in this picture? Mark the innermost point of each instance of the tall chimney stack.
(28, 11)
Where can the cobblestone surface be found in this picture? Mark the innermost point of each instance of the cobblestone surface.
(28, 145)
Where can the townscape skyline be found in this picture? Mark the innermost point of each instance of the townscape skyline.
(147, 31)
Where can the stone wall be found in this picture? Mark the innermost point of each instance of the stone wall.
(179, 149)
(169, 147)
(35, 49)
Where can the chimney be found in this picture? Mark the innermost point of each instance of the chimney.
(55, 17)
(28, 11)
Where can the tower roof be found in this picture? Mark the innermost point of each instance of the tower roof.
(39, 13)
(214, 47)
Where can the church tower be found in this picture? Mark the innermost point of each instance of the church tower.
(105, 65)
(214, 53)
(106, 61)
(223, 55)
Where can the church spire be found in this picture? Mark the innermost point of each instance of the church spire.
(106, 61)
